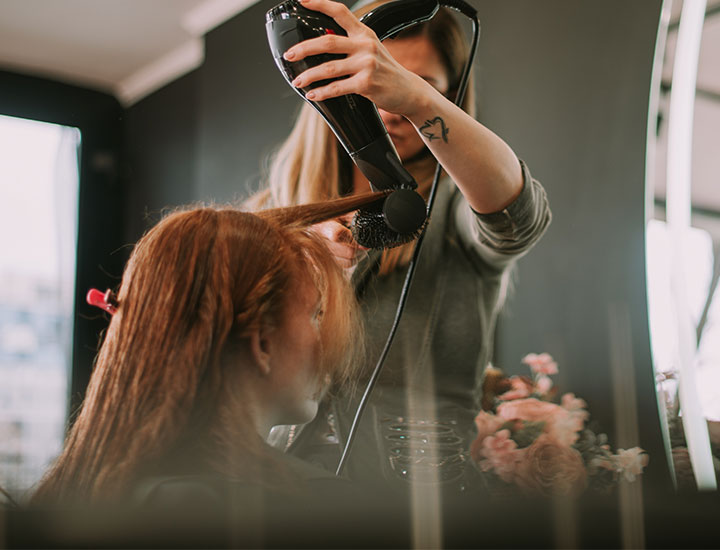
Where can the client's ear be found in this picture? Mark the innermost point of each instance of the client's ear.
(260, 349)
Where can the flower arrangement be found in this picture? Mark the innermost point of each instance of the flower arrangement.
(525, 440)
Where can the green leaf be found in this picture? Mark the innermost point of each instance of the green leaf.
(528, 433)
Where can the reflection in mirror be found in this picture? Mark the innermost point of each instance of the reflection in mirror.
(683, 243)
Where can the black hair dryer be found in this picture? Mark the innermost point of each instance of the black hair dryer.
(354, 119)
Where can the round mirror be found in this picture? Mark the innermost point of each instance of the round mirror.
(683, 242)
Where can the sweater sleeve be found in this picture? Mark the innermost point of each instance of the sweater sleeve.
(501, 237)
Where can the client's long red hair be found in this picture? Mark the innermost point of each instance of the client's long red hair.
(161, 397)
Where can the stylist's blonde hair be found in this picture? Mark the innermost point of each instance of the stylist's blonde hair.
(311, 165)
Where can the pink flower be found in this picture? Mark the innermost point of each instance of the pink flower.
(599, 462)
(530, 409)
(541, 364)
(560, 423)
(567, 428)
(520, 387)
(571, 403)
(487, 424)
(551, 469)
(576, 407)
(543, 384)
(501, 455)
(630, 462)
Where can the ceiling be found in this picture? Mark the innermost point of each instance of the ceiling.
(152, 42)
(128, 48)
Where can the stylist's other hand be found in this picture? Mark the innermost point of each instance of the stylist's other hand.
(340, 241)
(369, 68)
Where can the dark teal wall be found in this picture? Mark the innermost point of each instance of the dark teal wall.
(567, 84)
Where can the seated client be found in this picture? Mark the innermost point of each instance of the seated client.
(226, 323)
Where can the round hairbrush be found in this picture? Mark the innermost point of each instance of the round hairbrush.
(397, 220)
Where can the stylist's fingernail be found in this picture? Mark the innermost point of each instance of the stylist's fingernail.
(310, 95)
(296, 82)
(289, 55)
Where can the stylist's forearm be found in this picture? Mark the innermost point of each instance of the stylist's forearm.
(482, 165)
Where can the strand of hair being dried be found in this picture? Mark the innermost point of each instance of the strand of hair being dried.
(309, 214)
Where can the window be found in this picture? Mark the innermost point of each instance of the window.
(38, 234)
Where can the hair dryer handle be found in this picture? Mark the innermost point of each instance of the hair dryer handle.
(391, 18)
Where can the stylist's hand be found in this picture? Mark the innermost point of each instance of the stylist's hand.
(340, 241)
(370, 69)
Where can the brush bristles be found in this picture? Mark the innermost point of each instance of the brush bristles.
(370, 230)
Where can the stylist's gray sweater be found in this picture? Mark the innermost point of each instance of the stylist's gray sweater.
(458, 288)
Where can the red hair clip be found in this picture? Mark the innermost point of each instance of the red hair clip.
(105, 301)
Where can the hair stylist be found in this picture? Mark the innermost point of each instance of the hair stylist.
(488, 212)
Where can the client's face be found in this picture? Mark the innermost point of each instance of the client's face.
(294, 371)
